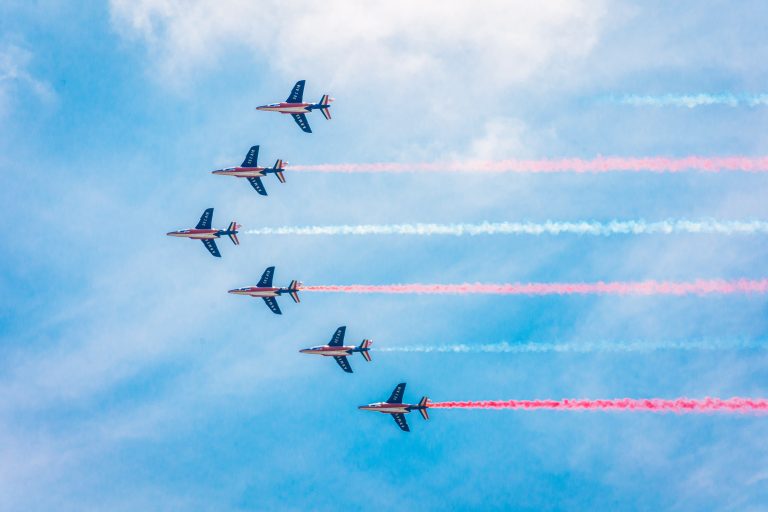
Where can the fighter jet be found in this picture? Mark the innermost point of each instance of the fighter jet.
(265, 290)
(397, 408)
(295, 106)
(205, 234)
(339, 351)
(250, 169)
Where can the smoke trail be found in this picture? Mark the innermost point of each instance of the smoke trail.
(615, 227)
(678, 405)
(698, 287)
(598, 164)
(589, 347)
(692, 100)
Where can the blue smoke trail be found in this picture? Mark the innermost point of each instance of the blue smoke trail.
(589, 347)
(691, 100)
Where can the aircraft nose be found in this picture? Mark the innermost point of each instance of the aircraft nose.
(170, 233)
(303, 351)
(232, 291)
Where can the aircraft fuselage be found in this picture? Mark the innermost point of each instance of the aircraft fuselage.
(197, 234)
(387, 408)
(327, 350)
(242, 172)
(287, 108)
(257, 291)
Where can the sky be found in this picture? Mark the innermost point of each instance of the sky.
(130, 379)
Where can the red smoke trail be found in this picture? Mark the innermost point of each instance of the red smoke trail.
(699, 287)
(678, 405)
(599, 164)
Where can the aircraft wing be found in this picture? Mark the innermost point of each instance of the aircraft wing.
(252, 157)
(258, 185)
(266, 278)
(301, 120)
(205, 219)
(271, 303)
(211, 246)
(297, 93)
(344, 363)
(400, 420)
(397, 394)
(338, 337)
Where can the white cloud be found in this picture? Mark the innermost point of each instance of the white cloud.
(491, 44)
(15, 77)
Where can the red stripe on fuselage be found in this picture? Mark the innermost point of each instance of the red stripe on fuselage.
(328, 350)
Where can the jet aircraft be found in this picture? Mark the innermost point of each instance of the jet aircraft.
(397, 408)
(250, 169)
(265, 290)
(339, 351)
(208, 236)
(295, 106)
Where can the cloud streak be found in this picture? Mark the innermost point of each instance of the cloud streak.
(592, 228)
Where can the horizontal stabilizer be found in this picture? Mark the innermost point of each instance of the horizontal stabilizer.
(293, 291)
(280, 176)
(232, 232)
(423, 405)
(325, 102)
(364, 346)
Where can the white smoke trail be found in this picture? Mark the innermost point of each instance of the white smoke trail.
(692, 100)
(600, 346)
(615, 227)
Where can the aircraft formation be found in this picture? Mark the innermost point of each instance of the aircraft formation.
(250, 170)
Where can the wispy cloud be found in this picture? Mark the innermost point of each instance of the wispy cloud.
(16, 77)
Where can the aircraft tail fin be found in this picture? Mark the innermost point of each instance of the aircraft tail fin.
(325, 102)
(423, 405)
(278, 169)
(232, 232)
(366, 344)
(293, 290)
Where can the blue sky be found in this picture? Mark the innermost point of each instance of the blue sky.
(130, 379)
